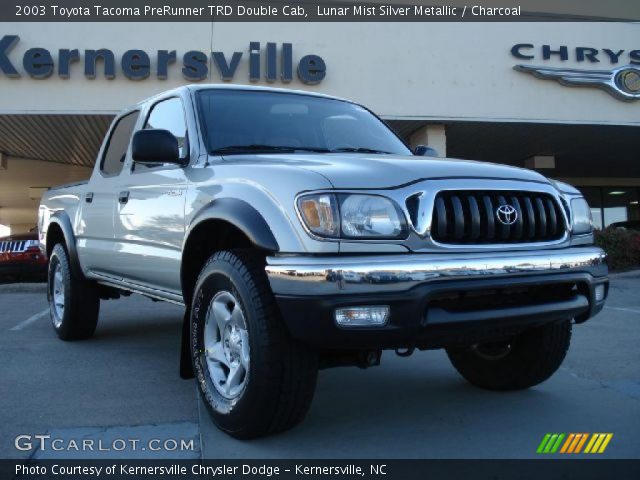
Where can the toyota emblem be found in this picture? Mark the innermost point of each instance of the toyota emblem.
(507, 215)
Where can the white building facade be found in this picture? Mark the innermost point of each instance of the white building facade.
(570, 108)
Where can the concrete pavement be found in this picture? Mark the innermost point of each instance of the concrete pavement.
(124, 382)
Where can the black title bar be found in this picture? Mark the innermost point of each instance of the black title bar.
(294, 11)
(379, 469)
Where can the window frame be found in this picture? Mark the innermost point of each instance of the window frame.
(103, 174)
(187, 158)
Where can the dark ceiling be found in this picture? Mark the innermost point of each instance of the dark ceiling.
(580, 150)
(70, 139)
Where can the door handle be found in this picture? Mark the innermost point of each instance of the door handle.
(88, 197)
(123, 197)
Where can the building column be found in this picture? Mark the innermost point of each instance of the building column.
(433, 135)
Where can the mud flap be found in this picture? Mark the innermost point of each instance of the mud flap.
(186, 363)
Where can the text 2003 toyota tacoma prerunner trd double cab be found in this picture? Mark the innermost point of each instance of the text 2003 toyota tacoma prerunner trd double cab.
(301, 233)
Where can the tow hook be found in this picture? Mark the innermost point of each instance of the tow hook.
(405, 352)
(372, 358)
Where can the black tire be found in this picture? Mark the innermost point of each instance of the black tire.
(81, 302)
(280, 380)
(530, 358)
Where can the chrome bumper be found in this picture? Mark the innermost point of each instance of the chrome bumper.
(342, 275)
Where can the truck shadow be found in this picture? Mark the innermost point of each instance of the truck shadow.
(409, 408)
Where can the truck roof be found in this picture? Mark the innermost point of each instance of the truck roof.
(226, 86)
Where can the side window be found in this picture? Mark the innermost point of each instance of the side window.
(114, 156)
(169, 115)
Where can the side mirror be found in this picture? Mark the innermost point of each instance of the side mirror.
(155, 146)
(425, 151)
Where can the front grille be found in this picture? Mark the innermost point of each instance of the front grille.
(471, 217)
(13, 246)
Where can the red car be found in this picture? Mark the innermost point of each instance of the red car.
(20, 256)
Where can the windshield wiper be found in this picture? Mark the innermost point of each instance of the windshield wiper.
(358, 150)
(265, 148)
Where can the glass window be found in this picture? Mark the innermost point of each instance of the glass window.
(169, 115)
(238, 121)
(612, 205)
(620, 204)
(114, 156)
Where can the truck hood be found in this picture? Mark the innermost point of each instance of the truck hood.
(386, 171)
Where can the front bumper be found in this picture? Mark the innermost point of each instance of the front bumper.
(434, 297)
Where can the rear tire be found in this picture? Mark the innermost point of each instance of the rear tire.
(526, 360)
(254, 379)
(74, 304)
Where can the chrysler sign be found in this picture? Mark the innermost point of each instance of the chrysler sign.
(622, 80)
(41, 63)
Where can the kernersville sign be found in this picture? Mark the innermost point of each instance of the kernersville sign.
(135, 64)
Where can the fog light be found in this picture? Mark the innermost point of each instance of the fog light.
(599, 292)
(362, 316)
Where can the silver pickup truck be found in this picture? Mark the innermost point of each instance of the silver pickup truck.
(300, 233)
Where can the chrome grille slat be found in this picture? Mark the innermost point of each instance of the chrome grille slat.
(13, 246)
(504, 229)
(474, 211)
(553, 217)
(458, 218)
(542, 219)
(531, 219)
(488, 215)
(470, 217)
(441, 211)
(518, 226)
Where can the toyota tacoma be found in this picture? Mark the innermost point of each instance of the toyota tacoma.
(300, 232)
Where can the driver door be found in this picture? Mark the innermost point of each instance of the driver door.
(149, 220)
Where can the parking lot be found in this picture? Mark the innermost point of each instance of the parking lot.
(124, 383)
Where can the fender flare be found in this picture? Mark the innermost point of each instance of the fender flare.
(249, 221)
(241, 215)
(61, 219)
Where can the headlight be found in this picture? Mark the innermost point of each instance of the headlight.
(581, 221)
(352, 216)
(369, 216)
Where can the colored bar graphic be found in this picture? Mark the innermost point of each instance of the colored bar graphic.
(543, 443)
(556, 445)
(591, 442)
(574, 444)
(598, 443)
(605, 443)
(581, 443)
(552, 442)
(565, 447)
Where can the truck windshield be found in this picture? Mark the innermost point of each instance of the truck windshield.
(245, 121)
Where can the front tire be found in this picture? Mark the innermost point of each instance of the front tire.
(526, 360)
(74, 304)
(254, 379)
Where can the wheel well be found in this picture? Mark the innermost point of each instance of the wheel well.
(205, 239)
(54, 236)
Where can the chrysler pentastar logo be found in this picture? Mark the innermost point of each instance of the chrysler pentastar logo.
(507, 215)
(623, 82)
